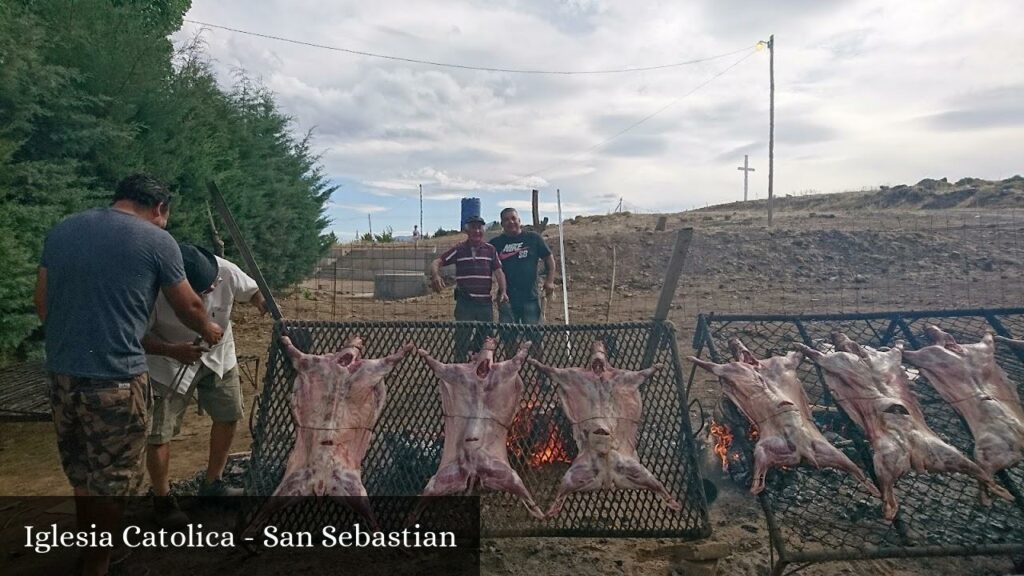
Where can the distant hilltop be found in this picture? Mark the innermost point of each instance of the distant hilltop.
(928, 194)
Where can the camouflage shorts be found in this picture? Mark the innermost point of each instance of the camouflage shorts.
(101, 431)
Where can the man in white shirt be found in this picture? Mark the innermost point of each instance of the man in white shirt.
(180, 366)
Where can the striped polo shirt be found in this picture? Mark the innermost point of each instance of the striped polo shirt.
(474, 266)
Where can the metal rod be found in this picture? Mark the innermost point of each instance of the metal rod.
(243, 249)
(913, 314)
(565, 274)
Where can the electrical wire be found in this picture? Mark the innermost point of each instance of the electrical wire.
(465, 66)
(631, 126)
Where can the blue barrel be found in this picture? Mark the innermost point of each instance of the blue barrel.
(470, 208)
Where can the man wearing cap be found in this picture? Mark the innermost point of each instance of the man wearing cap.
(179, 365)
(476, 263)
(99, 275)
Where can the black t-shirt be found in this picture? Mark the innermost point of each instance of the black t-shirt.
(519, 256)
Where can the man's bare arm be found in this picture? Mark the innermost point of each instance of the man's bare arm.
(188, 307)
(40, 294)
(259, 302)
(184, 352)
(499, 277)
(549, 282)
(435, 275)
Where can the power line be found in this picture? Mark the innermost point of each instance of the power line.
(633, 125)
(464, 66)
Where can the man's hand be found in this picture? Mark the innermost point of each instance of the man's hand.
(549, 289)
(436, 282)
(212, 333)
(186, 352)
(501, 297)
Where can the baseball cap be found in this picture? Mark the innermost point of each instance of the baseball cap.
(475, 220)
(201, 267)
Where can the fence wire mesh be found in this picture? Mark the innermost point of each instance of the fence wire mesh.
(837, 262)
(406, 448)
(818, 515)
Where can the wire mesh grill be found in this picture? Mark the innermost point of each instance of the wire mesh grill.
(406, 449)
(817, 515)
(24, 393)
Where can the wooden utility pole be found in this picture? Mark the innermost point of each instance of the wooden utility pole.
(771, 123)
(369, 220)
(746, 171)
(536, 211)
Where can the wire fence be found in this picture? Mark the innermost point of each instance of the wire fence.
(808, 262)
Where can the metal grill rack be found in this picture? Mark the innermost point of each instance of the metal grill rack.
(406, 448)
(823, 515)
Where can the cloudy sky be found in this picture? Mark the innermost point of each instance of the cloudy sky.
(868, 92)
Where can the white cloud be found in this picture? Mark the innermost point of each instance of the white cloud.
(867, 92)
(361, 208)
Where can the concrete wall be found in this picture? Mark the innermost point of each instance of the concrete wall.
(364, 263)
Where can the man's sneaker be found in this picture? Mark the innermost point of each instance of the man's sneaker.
(167, 514)
(219, 488)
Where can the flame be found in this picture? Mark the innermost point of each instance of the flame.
(723, 439)
(534, 436)
(550, 450)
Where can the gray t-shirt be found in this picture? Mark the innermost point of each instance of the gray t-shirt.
(103, 271)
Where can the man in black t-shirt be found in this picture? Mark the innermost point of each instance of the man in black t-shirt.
(519, 253)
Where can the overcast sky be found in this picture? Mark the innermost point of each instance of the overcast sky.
(867, 92)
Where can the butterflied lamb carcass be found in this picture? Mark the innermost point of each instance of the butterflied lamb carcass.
(479, 399)
(604, 406)
(873, 389)
(769, 393)
(968, 378)
(336, 401)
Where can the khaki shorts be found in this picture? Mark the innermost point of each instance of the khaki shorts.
(221, 398)
(101, 431)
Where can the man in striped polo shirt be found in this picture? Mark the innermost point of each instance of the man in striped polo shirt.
(476, 262)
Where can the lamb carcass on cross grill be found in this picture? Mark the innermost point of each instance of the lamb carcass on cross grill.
(335, 403)
(968, 378)
(874, 390)
(604, 406)
(769, 393)
(479, 399)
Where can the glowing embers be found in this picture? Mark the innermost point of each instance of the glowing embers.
(536, 438)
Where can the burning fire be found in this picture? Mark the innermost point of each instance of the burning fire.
(535, 436)
(723, 439)
(550, 450)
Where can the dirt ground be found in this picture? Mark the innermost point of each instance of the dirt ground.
(849, 261)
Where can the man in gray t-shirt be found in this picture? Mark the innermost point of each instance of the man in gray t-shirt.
(98, 279)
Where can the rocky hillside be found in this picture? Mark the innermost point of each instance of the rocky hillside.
(928, 194)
